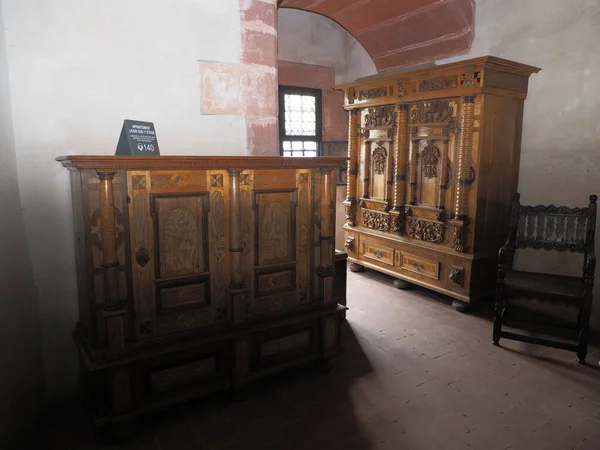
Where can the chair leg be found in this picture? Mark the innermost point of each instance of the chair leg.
(497, 321)
(584, 329)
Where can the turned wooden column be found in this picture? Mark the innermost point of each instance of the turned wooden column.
(464, 157)
(441, 203)
(108, 230)
(326, 269)
(412, 182)
(353, 140)
(400, 155)
(366, 170)
(112, 311)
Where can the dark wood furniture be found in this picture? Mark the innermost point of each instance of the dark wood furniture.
(200, 273)
(549, 228)
(433, 165)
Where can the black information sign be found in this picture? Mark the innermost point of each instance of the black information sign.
(137, 139)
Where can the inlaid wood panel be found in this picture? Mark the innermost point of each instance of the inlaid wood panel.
(377, 251)
(420, 265)
(180, 224)
(276, 226)
(275, 265)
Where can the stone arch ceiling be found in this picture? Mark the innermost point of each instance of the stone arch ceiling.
(398, 33)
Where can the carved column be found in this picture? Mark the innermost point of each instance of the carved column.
(401, 145)
(464, 157)
(366, 169)
(326, 269)
(412, 183)
(236, 288)
(353, 140)
(113, 310)
(441, 203)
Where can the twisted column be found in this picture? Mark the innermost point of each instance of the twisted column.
(464, 157)
(401, 147)
(353, 141)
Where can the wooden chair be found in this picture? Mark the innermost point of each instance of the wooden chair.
(549, 228)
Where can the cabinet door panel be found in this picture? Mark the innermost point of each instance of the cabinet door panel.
(181, 221)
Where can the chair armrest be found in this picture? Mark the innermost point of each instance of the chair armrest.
(505, 259)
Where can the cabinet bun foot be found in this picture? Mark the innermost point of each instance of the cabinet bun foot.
(461, 306)
(401, 284)
(356, 267)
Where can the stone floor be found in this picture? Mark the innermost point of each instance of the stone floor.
(416, 374)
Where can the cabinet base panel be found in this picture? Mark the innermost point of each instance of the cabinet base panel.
(121, 392)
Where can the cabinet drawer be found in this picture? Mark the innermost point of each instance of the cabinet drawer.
(378, 252)
(417, 264)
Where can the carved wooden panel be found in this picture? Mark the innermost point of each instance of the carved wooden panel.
(285, 344)
(420, 265)
(276, 245)
(276, 226)
(180, 224)
(184, 296)
(142, 249)
(173, 376)
(430, 161)
(426, 230)
(184, 321)
(247, 235)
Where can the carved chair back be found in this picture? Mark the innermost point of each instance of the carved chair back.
(553, 227)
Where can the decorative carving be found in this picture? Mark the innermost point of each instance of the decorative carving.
(459, 238)
(470, 79)
(425, 230)
(179, 180)
(376, 220)
(372, 93)
(551, 227)
(380, 117)
(365, 134)
(142, 257)
(397, 223)
(350, 214)
(138, 181)
(349, 245)
(436, 84)
(351, 95)
(379, 158)
(430, 156)
(400, 91)
(432, 111)
(146, 327)
(245, 179)
(216, 180)
(456, 276)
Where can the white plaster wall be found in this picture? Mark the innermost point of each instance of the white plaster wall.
(20, 353)
(560, 156)
(77, 69)
(310, 38)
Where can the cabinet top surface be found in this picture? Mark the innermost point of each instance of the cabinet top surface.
(89, 162)
(501, 64)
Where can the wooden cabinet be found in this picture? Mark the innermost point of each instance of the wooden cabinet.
(200, 273)
(433, 165)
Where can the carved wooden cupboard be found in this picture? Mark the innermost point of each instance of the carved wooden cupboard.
(433, 164)
(200, 273)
